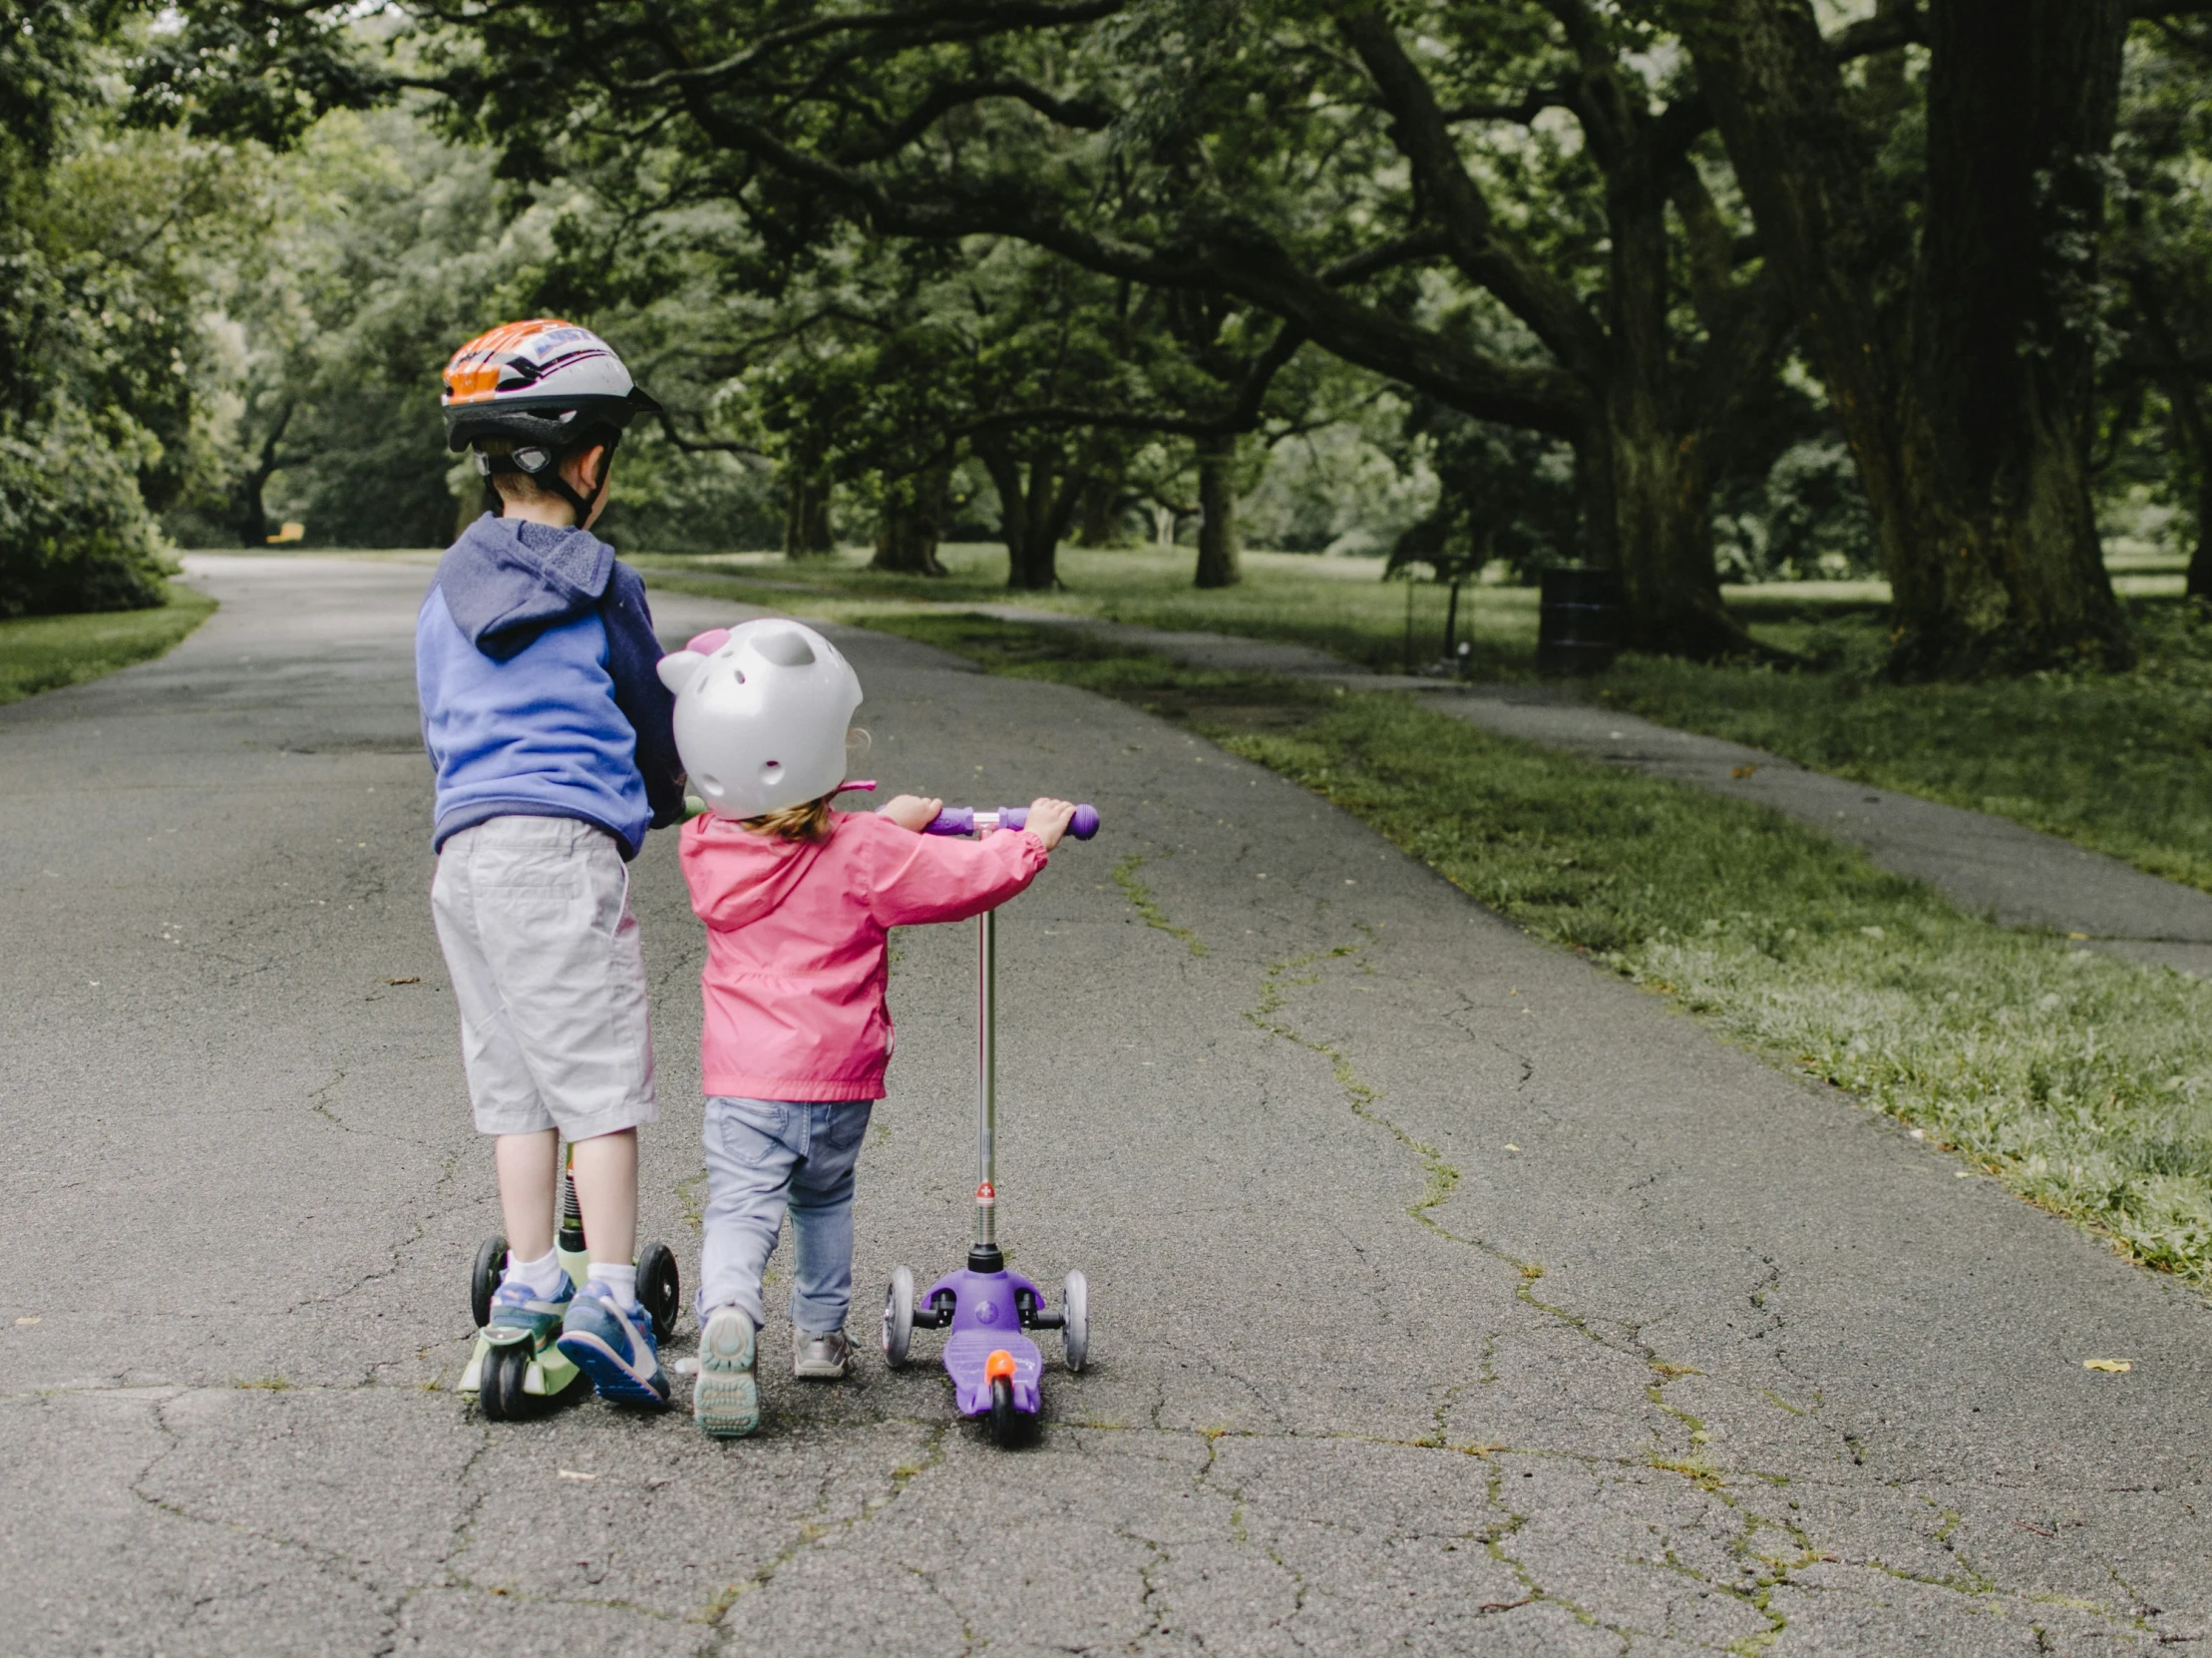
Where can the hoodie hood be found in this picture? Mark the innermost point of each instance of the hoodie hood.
(506, 580)
(748, 875)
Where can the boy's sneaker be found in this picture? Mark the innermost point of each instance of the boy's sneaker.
(725, 1401)
(616, 1348)
(521, 1312)
(821, 1358)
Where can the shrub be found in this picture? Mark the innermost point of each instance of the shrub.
(75, 533)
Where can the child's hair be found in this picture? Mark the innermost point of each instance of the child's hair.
(806, 822)
(513, 486)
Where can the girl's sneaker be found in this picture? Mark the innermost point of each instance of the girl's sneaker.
(616, 1348)
(725, 1401)
(821, 1358)
(522, 1314)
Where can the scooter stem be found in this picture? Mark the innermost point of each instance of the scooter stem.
(986, 1083)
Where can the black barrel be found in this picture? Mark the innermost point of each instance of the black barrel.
(1578, 626)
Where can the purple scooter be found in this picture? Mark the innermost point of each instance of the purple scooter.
(996, 1369)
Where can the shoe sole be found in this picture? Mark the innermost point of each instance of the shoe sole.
(725, 1400)
(822, 1372)
(614, 1381)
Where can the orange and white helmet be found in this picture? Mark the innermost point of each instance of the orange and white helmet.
(547, 386)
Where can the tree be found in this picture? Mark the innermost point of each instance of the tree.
(1291, 158)
(98, 424)
(2158, 403)
(1960, 359)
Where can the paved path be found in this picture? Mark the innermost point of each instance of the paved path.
(1449, 1295)
(1985, 864)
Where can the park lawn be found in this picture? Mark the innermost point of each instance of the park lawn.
(1339, 604)
(2081, 1080)
(2121, 764)
(46, 652)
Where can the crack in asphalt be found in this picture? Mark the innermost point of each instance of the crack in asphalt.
(1440, 1178)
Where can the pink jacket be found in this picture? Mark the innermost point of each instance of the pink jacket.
(796, 956)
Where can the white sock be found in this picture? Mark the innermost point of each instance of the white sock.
(541, 1275)
(622, 1280)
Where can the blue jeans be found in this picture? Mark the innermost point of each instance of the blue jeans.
(763, 1155)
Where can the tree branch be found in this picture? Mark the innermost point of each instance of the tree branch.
(1482, 250)
(1225, 255)
(1087, 114)
(919, 23)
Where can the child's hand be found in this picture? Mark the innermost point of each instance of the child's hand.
(911, 811)
(1048, 819)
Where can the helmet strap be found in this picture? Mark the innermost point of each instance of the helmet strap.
(550, 478)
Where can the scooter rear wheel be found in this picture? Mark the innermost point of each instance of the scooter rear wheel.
(1005, 1421)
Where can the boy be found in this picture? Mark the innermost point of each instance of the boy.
(550, 731)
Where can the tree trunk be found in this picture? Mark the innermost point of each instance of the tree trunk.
(1099, 514)
(1969, 423)
(1031, 519)
(1219, 547)
(1654, 465)
(913, 512)
(1654, 523)
(807, 530)
(247, 507)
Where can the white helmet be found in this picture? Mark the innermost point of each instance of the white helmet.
(761, 716)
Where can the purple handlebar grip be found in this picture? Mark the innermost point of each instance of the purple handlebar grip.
(961, 821)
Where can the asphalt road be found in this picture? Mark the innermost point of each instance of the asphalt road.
(1447, 1294)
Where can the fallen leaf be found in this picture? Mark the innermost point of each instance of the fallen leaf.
(21, 1324)
(1504, 1605)
(2110, 1367)
(1741, 772)
(1513, 1148)
(418, 978)
(571, 1473)
(2039, 1531)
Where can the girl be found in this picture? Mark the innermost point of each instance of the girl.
(798, 901)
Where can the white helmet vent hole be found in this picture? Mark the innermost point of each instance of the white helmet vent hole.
(772, 773)
(784, 650)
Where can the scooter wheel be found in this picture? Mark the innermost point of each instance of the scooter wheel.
(897, 1317)
(661, 1288)
(1075, 1320)
(1005, 1421)
(501, 1393)
(484, 1278)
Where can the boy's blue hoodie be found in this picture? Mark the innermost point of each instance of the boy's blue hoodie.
(534, 663)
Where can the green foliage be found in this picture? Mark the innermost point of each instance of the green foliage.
(75, 534)
(1806, 520)
(46, 652)
(97, 343)
(2082, 1081)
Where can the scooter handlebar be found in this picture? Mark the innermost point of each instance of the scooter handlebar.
(975, 820)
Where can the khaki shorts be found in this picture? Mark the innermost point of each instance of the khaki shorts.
(534, 919)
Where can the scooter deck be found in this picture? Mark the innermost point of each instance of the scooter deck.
(986, 1319)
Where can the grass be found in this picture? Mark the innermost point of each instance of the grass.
(2117, 762)
(2082, 1081)
(46, 652)
(1339, 604)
